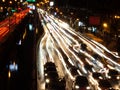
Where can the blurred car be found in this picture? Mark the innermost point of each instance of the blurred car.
(96, 56)
(52, 74)
(49, 64)
(88, 67)
(50, 68)
(105, 85)
(73, 71)
(83, 46)
(50, 78)
(53, 82)
(113, 74)
(81, 83)
(97, 76)
(97, 63)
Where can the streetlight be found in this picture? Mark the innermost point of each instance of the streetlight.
(3, 0)
(9, 14)
(21, 0)
(105, 25)
(9, 74)
(51, 3)
(1, 9)
(10, 2)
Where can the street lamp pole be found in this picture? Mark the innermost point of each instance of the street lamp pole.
(51, 4)
(9, 12)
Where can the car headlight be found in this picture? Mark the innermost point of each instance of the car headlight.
(77, 87)
(109, 77)
(46, 74)
(100, 77)
(118, 77)
(47, 80)
(110, 88)
(88, 87)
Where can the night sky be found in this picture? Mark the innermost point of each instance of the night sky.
(92, 4)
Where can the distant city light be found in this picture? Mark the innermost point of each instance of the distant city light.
(105, 25)
(9, 74)
(21, 0)
(31, 6)
(55, 13)
(10, 2)
(30, 27)
(3, 0)
(89, 28)
(80, 23)
(7, 14)
(19, 43)
(51, 3)
(117, 17)
(13, 67)
(1, 9)
(94, 29)
(31, 0)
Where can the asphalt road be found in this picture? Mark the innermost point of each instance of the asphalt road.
(60, 38)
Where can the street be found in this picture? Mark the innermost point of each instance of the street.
(63, 46)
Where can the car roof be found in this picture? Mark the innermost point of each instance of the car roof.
(49, 64)
(96, 74)
(50, 68)
(81, 80)
(104, 83)
(52, 74)
(113, 72)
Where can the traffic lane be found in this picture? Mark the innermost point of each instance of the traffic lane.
(3, 32)
(15, 17)
(57, 36)
(103, 48)
(55, 57)
(41, 86)
(43, 57)
(82, 37)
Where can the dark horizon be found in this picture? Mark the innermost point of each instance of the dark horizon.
(95, 5)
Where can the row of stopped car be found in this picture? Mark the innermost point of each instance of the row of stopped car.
(52, 79)
(109, 82)
(96, 80)
(53, 82)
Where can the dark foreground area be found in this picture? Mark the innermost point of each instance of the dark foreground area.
(19, 48)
